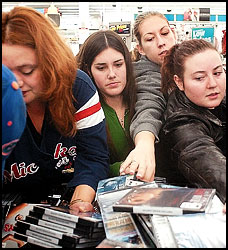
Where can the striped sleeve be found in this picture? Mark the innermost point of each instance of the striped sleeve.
(90, 114)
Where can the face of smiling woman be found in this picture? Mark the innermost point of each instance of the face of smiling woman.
(109, 72)
(22, 61)
(204, 79)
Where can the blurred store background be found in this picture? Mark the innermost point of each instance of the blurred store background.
(77, 20)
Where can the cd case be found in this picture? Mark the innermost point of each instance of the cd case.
(85, 218)
(165, 201)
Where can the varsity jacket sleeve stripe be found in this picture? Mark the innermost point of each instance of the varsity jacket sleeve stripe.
(90, 114)
(92, 162)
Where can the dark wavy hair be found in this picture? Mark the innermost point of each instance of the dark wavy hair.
(94, 45)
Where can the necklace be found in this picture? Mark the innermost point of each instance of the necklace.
(121, 115)
(121, 120)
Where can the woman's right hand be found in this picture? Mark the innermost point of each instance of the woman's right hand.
(142, 158)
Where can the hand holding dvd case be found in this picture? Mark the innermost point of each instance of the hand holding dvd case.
(165, 201)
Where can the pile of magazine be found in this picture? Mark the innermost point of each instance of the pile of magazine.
(160, 215)
(54, 227)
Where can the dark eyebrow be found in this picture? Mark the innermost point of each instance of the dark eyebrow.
(151, 33)
(217, 67)
(114, 62)
(100, 64)
(202, 71)
(119, 60)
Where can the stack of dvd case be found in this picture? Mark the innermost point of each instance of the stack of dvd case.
(164, 224)
(120, 226)
(59, 227)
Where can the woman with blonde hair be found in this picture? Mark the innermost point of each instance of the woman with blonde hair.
(65, 139)
(154, 38)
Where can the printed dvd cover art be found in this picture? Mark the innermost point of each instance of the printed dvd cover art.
(118, 226)
(165, 201)
(117, 183)
(125, 181)
(15, 214)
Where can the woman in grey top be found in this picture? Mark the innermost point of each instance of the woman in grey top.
(155, 37)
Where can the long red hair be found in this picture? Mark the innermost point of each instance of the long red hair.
(28, 27)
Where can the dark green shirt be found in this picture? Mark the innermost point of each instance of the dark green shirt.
(119, 141)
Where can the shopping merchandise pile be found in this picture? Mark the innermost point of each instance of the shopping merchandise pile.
(58, 227)
(160, 215)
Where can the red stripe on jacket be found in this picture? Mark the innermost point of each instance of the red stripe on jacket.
(87, 112)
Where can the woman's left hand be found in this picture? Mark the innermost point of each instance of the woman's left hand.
(82, 206)
(82, 198)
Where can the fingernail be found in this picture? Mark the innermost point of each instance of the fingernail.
(138, 175)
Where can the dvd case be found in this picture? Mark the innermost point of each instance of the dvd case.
(35, 241)
(165, 201)
(202, 231)
(164, 237)
(88, 218)
(145, 234)
(117, 183)
(118, 226)
(68, 223)
(54, 219)
(88, 233)
(57, 237)
(122, 182)
(145, 222)
(197, 230)
(22, 226)
(45, 237)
